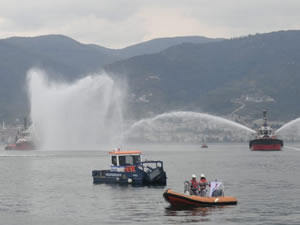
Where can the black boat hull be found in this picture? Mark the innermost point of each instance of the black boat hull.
(137, 178)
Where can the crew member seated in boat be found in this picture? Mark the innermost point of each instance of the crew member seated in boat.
(194, 185)
(202, 185)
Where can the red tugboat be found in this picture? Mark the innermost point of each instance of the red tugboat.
(23, 140)
(204, 145)
(265, 139)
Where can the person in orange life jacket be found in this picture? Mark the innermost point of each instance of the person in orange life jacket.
(194, 186)
(203, 184)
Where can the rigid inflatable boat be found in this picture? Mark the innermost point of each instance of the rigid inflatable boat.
(183, 200)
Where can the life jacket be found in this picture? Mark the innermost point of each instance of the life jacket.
(203, 183)
(194, 184)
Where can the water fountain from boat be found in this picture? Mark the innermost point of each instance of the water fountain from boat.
(290, 131)
(187, 127)
(86, 114)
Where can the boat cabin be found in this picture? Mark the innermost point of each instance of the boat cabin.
(121, 160)
(265, 131)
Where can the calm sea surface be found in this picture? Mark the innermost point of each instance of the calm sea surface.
(55, 187)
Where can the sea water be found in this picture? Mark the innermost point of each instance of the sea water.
(55, 187)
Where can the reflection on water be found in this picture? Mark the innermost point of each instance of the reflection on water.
(192, 215)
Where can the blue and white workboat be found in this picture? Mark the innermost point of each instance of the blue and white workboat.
(128, 168)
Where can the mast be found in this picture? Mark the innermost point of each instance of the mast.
(265, 118)
(25, 123)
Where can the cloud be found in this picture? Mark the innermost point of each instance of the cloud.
(119, 23)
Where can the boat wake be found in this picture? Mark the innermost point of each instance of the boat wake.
(293, 148)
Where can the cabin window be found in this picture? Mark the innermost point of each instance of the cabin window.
(114, 160)
(136, 159)
(129, 160)
(122, 161)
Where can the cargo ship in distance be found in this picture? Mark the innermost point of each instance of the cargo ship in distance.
(265, 138)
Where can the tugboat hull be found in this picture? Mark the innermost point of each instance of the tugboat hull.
(20, 146)
(108, 177)
(266, 145)
(135, 176)
(265, 138)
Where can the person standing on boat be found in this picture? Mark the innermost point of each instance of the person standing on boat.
(194, 185)
(202, 185)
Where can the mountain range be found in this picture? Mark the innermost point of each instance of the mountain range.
(236, 77)
(251, 74)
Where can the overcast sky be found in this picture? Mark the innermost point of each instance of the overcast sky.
(120, 23)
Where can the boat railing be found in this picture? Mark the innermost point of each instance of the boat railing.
(154, 171)
(150, 165)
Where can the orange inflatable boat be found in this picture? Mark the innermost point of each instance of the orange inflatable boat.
(182, 200)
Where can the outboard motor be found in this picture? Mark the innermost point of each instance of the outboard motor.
(218, 193)
(216, 189)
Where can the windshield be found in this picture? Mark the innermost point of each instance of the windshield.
(127, 160)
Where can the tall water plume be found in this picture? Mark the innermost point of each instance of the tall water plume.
(187, 127)
(86, 114)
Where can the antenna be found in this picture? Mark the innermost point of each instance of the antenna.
(265, 117)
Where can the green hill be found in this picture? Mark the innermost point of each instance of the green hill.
(260, 71)
(63, 58)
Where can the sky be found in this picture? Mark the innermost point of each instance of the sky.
(121, 23)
